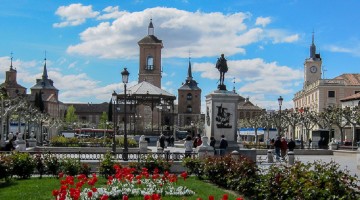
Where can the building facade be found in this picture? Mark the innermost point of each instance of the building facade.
(189, 103)
(317, 93)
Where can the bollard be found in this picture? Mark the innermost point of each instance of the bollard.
(235, 155)
(270, 157)
(291, 157)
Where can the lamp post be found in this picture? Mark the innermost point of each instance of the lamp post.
(280, 100)
(125, 78)
(114, 99)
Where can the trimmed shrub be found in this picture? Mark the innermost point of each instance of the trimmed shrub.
(23, 164)
(107, 165)
(317, 180)
(40, 166)
(5, 167)
(52, 164)
(70, 166)
(194, 166)
(85, 169)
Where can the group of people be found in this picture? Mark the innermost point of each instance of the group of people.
(163, 139)
(189, 144)
(281, 146)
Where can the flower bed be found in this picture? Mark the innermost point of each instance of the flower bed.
(127, 182)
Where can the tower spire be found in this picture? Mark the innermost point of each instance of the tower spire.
(312, 47)
(11, 60)
(151, 28)
(189, 70)
(45, 76)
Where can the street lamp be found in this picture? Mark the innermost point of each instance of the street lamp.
(125, 78)
(114, 99)
(280, 100)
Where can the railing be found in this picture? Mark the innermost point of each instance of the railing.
(98, 156)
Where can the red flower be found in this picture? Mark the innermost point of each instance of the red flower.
(239, 198)
(155, 197)
(104, 197)
(55, 193)
(89, 194)
(94, 189)
(125, 197)
(184, 175)
(211, 197)
(61, 174)
(225, 197)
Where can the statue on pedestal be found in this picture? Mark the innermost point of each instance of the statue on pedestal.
(221, 65)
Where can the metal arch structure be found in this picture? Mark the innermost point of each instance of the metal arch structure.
(146, 94)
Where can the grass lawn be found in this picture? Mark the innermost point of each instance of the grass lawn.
(39, 189)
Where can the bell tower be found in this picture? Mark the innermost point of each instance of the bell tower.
(312, 66)
(150, 58)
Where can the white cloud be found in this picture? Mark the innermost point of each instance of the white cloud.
(72, 65)
(255, 76)
(205, 34)
(111, 12)
(74, 15)
(263, 21)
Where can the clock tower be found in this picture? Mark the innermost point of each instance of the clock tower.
(312, 66)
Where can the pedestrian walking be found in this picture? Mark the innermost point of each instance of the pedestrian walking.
(277, 146)
(283, 148)
(188, 144)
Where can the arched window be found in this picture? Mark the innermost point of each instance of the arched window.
(189, 96)
(189, 109)
(149, 63)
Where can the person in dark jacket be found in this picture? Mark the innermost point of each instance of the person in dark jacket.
(291, 145)
(223, 145)
(277, 146)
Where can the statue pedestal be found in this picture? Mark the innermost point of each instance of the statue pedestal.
(31, 142)
(204, 149)
(221, 115)
(143, 144)
(20, 145)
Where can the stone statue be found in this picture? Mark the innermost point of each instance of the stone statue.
(221, 65)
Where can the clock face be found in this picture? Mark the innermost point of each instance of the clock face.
(313, 69)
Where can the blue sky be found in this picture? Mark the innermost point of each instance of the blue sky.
(88, 43)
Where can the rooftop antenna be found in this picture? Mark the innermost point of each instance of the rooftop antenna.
(323, 71)
(234, 85)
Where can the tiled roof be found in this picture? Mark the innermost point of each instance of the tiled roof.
(190, 85)
(350, 79)
(89, 107)
(144, 88)
(352, 97)
(149, 39)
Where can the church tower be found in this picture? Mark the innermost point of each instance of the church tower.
(189, 102)
(150, 58)
(312, 66)
(49, 94)
(13, 89)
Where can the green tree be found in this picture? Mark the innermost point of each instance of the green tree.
(103, 120)
(70, 115)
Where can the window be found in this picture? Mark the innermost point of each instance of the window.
(149, 63)
(189, 96)
(331, 93)
(189, 109)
